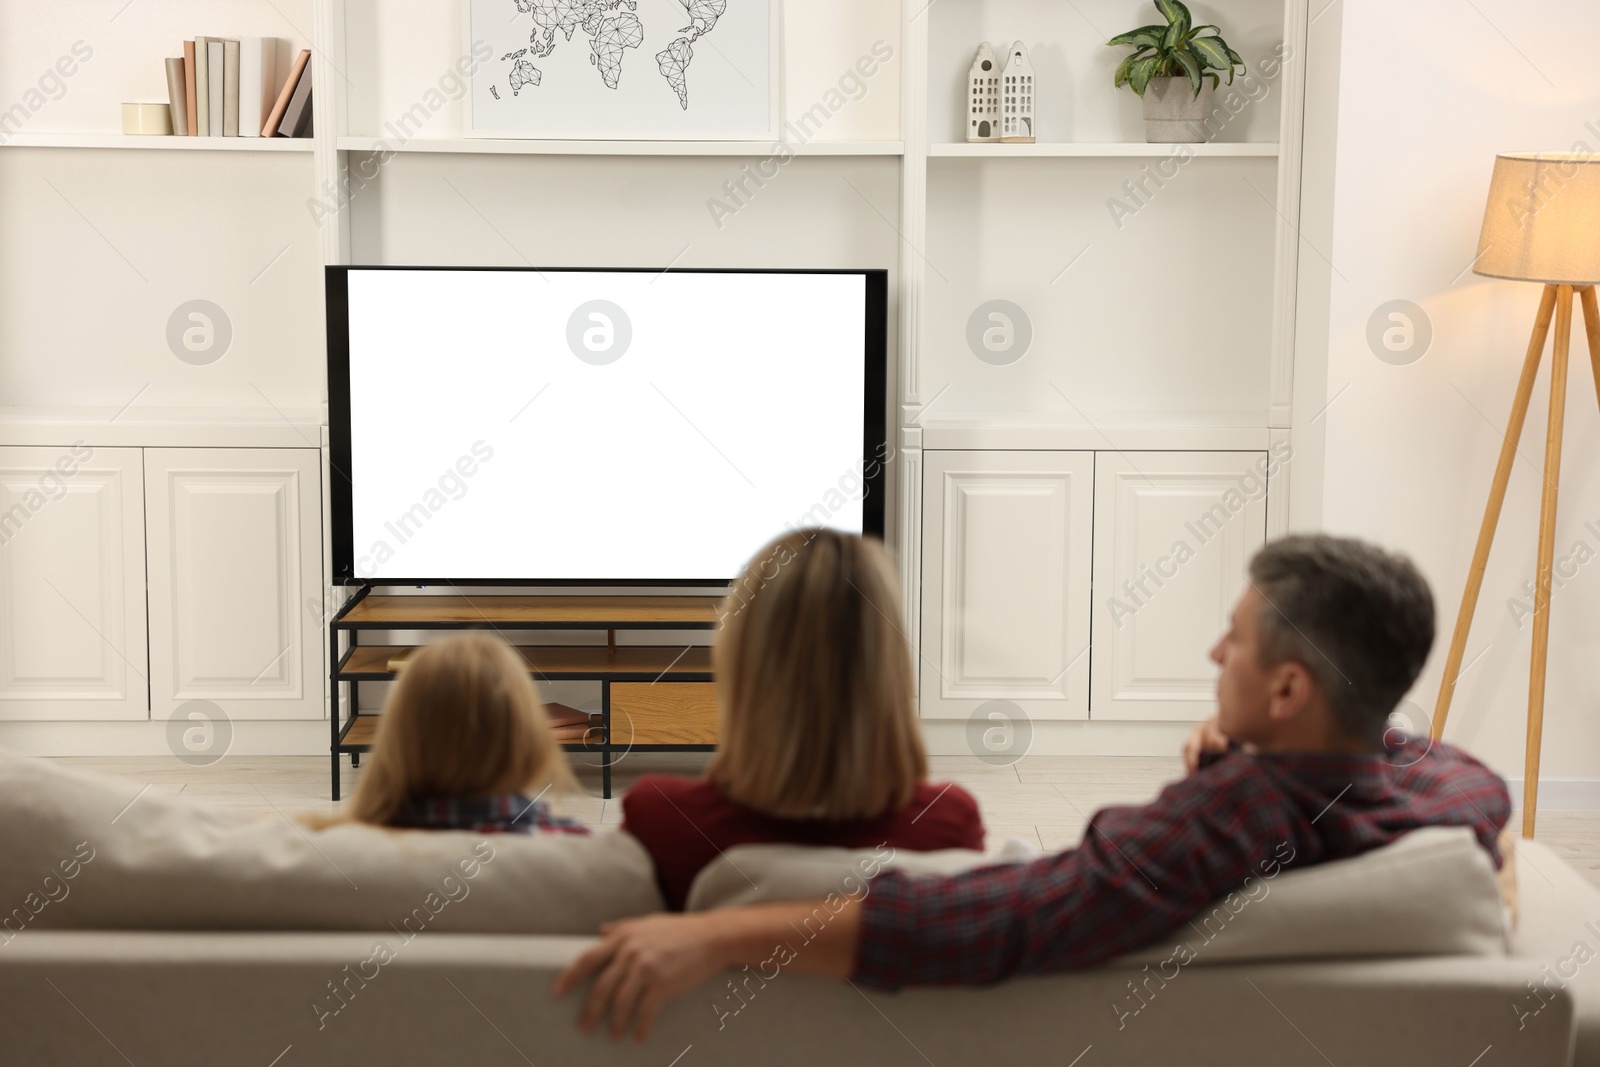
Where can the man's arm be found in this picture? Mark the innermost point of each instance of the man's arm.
(1139, 874)
(643, 963)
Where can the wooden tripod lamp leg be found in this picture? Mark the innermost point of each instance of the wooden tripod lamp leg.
(1491, 513)
(1591, 324)
(1547, 546)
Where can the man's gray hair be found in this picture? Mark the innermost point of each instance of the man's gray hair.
(1358, 618)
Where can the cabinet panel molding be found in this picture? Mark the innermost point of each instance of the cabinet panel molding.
(1174, 532)
(1005, 570)
(72, 619)
(235, 555)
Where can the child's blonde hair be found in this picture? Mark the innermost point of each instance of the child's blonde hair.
(814, 688)
(464, 720)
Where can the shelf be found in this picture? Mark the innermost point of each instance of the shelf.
(1200, 432)
(168, 143)
(1086, 148)
(557, 662)
(532, 613)
(134, 425)
(362, 732)
(491, 146)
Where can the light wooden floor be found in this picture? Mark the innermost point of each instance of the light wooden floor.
(1043, 800)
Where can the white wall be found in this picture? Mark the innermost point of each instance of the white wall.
(1428, 92)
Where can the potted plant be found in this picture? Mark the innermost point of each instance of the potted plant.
(1174, 69)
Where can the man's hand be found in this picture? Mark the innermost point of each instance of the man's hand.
(1205, 737)
(643, 963)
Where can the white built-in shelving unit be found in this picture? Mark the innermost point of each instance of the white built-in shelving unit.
(1161, 332)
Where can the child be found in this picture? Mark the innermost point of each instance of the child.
(463, 739)
(819, 741)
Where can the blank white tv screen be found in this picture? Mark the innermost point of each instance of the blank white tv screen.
(615, 426)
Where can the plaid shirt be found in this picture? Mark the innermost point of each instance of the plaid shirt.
(505, 813)
(1142, 872)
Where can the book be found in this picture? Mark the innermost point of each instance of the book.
(230, 88)
(275, 116)
(188, 87)
(559, 715)
(214, 82)
(202, 82)
(257, 82)
(177, 97)
(297, 116)
(568, 725)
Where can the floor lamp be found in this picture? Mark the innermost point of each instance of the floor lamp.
(1542, 224)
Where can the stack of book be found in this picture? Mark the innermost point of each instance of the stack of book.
(570, 726)
(223, 87)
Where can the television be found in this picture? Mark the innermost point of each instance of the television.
(522, 426)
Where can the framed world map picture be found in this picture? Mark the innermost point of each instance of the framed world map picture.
(625, 69)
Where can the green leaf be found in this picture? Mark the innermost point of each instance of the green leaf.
(1174, 11)
(1235, 57)
(1141, 73)
(1175, 36)
(1144, 35)
(1212, 52)
(1122, 71)
(1191, 67)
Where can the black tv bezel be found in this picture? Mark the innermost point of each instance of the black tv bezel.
(874, 449)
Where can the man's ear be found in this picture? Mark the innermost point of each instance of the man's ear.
(1290, 689)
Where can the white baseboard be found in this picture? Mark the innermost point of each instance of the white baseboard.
(950, 737)
(310, 738)
(303, 737)
(1560, 794)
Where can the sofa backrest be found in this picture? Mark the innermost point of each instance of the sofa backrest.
(1430, 893)
(83, 852)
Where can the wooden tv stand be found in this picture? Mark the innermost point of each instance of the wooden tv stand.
(653, 698)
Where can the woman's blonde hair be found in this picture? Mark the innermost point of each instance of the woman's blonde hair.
(463, 720)
(814, 688)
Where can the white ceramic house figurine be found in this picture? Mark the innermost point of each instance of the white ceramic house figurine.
(983, 96)
(1016, 98)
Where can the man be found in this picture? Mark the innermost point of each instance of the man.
(1299, 767)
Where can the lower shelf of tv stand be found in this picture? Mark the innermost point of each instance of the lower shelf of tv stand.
(636, 716)
(377, 663)
(655, 698)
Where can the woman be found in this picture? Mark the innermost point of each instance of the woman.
(819, 741)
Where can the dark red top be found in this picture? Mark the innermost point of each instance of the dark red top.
(685, 823)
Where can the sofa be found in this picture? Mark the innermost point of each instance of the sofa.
(146, 930)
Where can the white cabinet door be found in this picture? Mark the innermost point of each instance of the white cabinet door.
(1005, 582)
(235, 554)
(1173, 532)
(72, 630)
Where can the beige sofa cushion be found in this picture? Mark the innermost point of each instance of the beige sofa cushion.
(93, 853)
(1430, 893)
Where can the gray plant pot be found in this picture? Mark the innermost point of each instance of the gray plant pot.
(1172, 114)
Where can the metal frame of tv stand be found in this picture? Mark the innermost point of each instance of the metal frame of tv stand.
(604, 748)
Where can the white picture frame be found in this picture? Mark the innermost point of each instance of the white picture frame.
(738, 74)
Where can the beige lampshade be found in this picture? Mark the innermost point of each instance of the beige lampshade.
(1542, 223)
